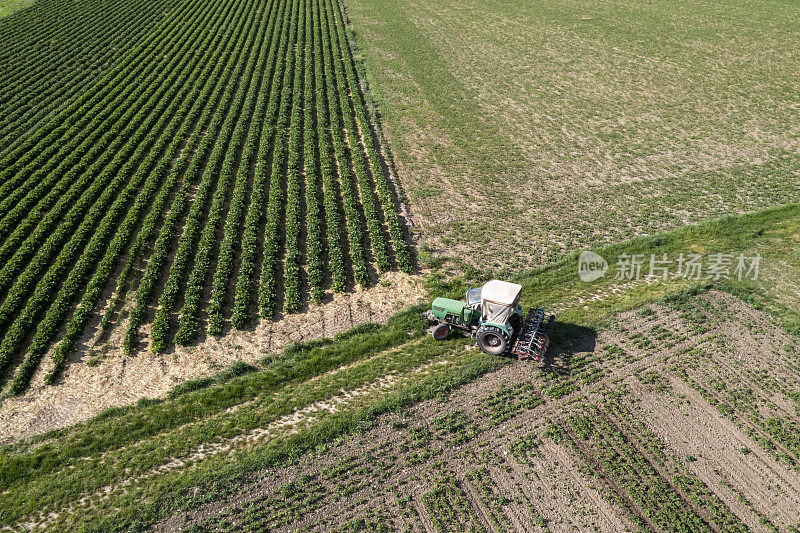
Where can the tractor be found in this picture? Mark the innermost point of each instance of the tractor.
(493, 315)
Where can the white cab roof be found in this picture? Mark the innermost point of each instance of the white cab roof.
(501, 292)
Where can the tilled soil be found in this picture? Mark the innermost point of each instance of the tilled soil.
(681, 415)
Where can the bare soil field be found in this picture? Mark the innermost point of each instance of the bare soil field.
(675, 416)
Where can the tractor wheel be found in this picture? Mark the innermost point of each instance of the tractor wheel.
(441, 332)
(492, 340)
(515, 320)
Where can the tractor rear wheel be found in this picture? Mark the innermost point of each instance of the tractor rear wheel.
(492, 340)
(441, 332)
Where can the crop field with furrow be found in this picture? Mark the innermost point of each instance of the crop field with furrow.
(196, 172)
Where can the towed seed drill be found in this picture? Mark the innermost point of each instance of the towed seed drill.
(492, 313)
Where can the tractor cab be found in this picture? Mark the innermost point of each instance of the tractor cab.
(496, 302)
(500, 304)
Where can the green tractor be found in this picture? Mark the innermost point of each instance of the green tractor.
(492, 313)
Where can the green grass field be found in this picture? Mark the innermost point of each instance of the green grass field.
(539, 127)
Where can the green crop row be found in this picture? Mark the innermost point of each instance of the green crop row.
(355, 234)
(190, 108)
(777, 433)
(315, 249)
(188, 326)
(199, 238)
(268, 288)
(98, 254)
(373, 218)
(41, 150)
(449, 507)
(384, 193)
(255, 214)
(150, 224)
(293, 500)
(53, 172)
(291, 271)
(330, 201)
(163, 244)
(71, 189)
(47, 288)
(230, 241)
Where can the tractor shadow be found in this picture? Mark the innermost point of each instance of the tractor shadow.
(565, 341)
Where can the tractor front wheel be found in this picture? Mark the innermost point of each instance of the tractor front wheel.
(492, 340)
(441, 332)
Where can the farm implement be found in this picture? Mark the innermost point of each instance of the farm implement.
(493, 315)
